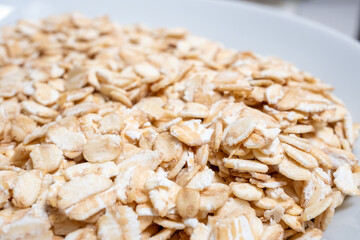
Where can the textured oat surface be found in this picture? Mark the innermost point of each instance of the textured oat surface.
(113, 132)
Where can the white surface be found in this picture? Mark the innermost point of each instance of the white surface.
(342, 15)
(328, 55)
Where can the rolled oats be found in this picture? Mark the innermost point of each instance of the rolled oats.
(169, 147)
(192, 133)
(273, 232)
(26, 188)
(245, 165)
(46, 157)
(246, 191)
(293, 222)
(82, 233)
(293, 170)
(239, 130)
(298, 129)
(201, 232)
(188, 202)
(90, 206)
(169, 224)
(305, 159)
(36, 109)
(316, 209)
(274, 93)
(102, 148)
(66, 139)
(21, 126)
(201, 180)
(74, 191)
(107, 169)
(126, 132)
(344, 180)
(214, 197)
(194, 110)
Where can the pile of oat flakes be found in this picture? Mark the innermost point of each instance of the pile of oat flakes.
(113, 132)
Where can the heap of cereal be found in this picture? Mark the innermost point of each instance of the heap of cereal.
(113, 132)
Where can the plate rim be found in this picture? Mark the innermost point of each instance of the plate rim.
(278, 13)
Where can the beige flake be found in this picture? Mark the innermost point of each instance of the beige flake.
(289, 101)
(201, 232)
(153, 106)
(245, 165)
(108, 227)
(102, 148)
(310, 233)
(119, 96)
(192, 133)
(45, 95)
(32, 107)
(188, 202)
(293, 222)
(66, 139)
(234, 228)
(21, 126)
(75, 190)
(81, 109)
(126, 220)
(82, 233)
(269, 160)
(328, 136)
(56, 71)
(26, 226)
(273, 232)
(274, 93)
(147, 158)
(46, 157)
(246, 191)
(269, 203)
(194, 110)
(316, 209)
(186, 174)
(305, 159)
(75, 95)
(90, 206)
(298, 129)
(107, 169)
(164, 199)
(344, 180)
(148, 72)
(214, 197)
(322, 158)
(163, 234)
(168, 146)
(165, 223)
(201, 180)
(348, 123)
(296, 142)
(311, 106)
(202, 155)
(111, 123)
(76, 79)
(293, 170)
(239, 130)
(27, 188)
(275, 214)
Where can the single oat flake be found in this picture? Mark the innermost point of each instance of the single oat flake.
(126, 132)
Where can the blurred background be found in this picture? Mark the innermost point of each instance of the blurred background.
(342, 15)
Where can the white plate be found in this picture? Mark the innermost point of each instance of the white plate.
(327, 54)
